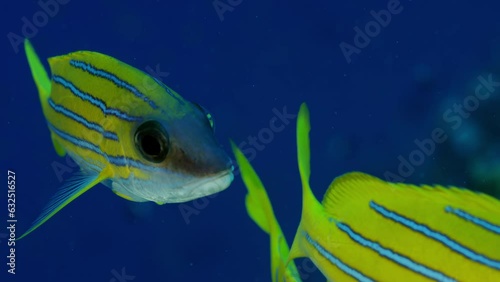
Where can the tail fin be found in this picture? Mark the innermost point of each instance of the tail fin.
(43, 84)
(304, 153)
(38, 71)
(259, 208)
(310, 205)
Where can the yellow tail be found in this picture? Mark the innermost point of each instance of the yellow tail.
(43, 84)
(259, 208)
(38, 71)
(311, 208)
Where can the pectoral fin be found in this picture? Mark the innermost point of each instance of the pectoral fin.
(71, 190)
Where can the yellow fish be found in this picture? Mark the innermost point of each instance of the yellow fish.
(367, 229)
(126, 130)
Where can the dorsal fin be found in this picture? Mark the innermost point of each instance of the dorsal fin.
(353, 186)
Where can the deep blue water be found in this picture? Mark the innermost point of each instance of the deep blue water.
(243, 65)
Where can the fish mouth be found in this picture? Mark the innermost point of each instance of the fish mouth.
(173, 188)
(201, 188)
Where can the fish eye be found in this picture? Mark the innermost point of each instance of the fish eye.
(207, 114)
(152, 141)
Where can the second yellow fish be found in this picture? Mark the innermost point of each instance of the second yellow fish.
(367, 229)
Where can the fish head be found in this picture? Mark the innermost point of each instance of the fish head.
(181, 155)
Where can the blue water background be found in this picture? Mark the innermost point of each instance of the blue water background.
(262, 55)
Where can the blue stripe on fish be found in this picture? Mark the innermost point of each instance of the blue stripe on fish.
(115, 160)
(113, 78)
(393, 256)
(337, 262)
(476, 220)
(81, 120)
(93, 100)
(76, 141)
(125, 161)
(428, 232)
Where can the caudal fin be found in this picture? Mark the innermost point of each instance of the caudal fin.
(310, 205)
(259, 208)
(40, 76)
(43, 85)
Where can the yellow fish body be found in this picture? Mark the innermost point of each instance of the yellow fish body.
(127, 130)
(367, 229)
